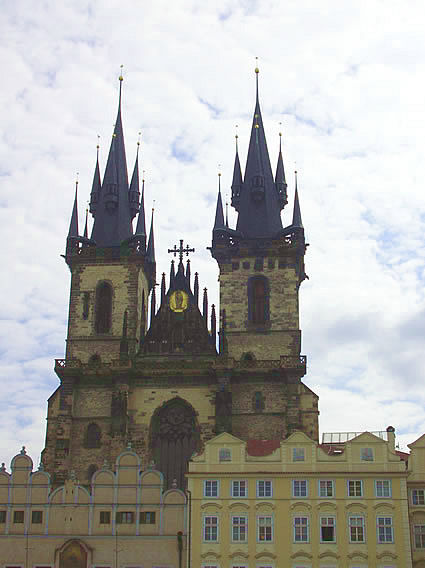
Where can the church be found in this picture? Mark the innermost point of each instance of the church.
(183, 435)
(169, 382)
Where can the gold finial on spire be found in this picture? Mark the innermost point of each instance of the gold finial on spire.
(76, 179)
(143, 176)
(236, 136)
(280, 129)
(121, 78)
(138, 138)
(98, 142)
(256, 66)
(256, 125)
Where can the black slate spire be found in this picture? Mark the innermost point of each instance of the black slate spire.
(258, 205)
(281, 185)
(141, 223)
(112, 216)
(73, 225)
(96, 185)
(237, 182)
(150, 252)
(219, 216)
(296, 217)
(134, 193)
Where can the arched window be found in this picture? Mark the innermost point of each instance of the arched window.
(93, 436)
(258, 300)
(103, 308)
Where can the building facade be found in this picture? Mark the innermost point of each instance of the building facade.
(301, 504)
(124, 518)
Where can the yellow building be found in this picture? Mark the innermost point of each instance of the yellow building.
(123, 519)
(416, 491)
(303, 504)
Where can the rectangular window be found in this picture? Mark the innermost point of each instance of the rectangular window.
(356, 526)
(265, 529)
(2, 516)
(327, 529)
(299, 488)
(211, 488)
(105, 517)
(355, 488)
(418, 496)
(300, 529)
(125, 518)
(383, 488)
(264, 488)
(225, 455)
(366, 454)
(239, 489)
(239, 528)
(385, 529)
(147, 518)
(18, 517)
(419, 533)
(326, 488)
(298, 454)
(37, 517)
(211, 529)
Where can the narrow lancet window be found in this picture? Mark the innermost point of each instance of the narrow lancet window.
(258, 301)
(103, 308)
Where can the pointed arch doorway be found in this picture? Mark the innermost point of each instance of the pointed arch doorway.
(174, 438)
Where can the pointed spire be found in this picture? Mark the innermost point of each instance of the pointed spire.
(86, 225)
(153, 303)
(134, 193)
(143, 318)
(196, 288)
(280, 180)
(172, 273)
(163, 289)
(213, 324)
(219, 217)
(259, 206)
(227, 215)
(188, 272)
(73, 225)
(237, 178)
(141, 223)
(112, 217)
(150, 253)
(96, 185)
(296, 218)
(205, 305)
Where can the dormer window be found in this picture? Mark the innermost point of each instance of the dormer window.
(298, 454)
(366, 454)
(225, 455)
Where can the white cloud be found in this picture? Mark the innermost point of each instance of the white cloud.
(347, 83)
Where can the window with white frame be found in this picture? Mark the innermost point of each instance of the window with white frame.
(326, 488)
(211, 488)
(327, 529)
(298, 454)
(239, 488)
(356, 528)
(355, 488)
(265, 528)
(418, 496)
(264, 488)
(366, 454)
(419, 534)
(385, 530)
(301, 529)
(211, 528)
(299, 488)
(383, 488)
(239, 528)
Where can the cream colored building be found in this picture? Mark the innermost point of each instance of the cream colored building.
(416, 492)
(123, 520)
(342, 504)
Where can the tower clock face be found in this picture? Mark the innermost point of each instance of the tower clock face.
(179, 301)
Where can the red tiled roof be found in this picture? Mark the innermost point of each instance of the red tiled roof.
(262, 447)
(403, 455)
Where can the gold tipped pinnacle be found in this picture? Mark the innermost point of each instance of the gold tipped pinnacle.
(256, 66)
(138, 140)
(98, 142)
(121, 78)
(143, 175)
(76, 178)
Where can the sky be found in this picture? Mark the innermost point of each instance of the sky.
(346, 82)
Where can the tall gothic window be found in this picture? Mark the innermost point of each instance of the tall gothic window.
(93, 436)
(258, 300)
(103, 308)
(174, 438)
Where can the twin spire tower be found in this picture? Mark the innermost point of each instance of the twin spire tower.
(167, 387)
